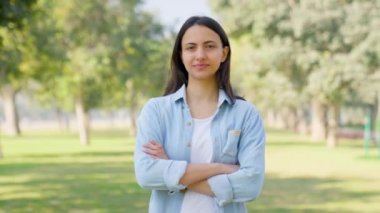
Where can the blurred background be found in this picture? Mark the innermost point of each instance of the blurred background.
(75, 74)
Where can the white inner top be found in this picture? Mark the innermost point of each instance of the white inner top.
(201, 152)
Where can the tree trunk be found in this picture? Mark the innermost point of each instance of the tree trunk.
(292, 120)
(63, 121)
(333, 121)
(133, 113)
(303, 124)
(8, 94)
(111, 116)
(270, 118)
(83, 123)
(318, 123)
(375, 127)
(279, 121)
(133, 106)
(1, 150)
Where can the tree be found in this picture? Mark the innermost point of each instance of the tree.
(12, 13)
(13, 16)
(94, 52)
(320, 40)
(141, 63)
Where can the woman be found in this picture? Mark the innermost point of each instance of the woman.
(200, 148)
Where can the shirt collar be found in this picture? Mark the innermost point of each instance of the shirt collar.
(181, 94)
(223, 97)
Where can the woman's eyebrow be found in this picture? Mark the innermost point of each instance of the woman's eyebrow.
(205, 42)
(210, 41)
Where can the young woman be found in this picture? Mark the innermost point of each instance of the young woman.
(200, 148)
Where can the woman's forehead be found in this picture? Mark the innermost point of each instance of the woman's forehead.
(200, 34)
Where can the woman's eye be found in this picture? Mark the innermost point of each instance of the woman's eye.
(190, 48)
(210, 46)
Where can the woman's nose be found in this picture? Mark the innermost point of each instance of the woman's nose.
(200, 53)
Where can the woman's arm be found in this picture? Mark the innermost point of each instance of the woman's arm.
(245, 184)
(154, 173)
(201, 187)
(201, 171)
(194, 173)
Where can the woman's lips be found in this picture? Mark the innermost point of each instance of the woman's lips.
(200, 66)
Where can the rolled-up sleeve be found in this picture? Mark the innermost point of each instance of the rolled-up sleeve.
(245, 184)
(154, 173)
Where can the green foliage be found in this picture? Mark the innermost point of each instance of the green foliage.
(312, 49)
(14, 43)
(13, 13)
(93, 52)
(110, 54)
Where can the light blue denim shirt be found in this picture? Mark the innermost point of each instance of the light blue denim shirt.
(238, 136)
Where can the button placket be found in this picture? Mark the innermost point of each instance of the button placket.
(188, 124)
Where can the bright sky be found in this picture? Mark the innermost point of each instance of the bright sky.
(175, 12)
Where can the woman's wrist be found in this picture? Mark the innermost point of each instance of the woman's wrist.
(220, 168)
(226, 168)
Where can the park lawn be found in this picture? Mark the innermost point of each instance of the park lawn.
(308, 177)
(51, 172)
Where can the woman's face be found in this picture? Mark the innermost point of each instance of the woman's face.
(202, 52)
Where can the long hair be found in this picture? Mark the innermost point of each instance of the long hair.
(178, 73)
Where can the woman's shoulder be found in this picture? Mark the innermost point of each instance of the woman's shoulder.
(247, 112)
(157, 102)
(154, 101)
(244, 105)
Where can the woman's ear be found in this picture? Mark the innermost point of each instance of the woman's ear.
(225, 53)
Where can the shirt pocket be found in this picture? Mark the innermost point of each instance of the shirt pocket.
(231, 146)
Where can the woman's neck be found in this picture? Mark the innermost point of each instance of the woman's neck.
(202, 92)
(202, 99)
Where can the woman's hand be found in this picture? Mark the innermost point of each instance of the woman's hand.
(229, 168)
(155, 149)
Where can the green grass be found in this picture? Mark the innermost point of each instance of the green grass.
(51, 172)
(307, 177)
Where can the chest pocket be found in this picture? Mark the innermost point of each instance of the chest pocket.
(230, 149)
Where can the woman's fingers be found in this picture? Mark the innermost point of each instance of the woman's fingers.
(154, 142)
(155, 153)
(155, 149)
(153, 145)
(150, 152)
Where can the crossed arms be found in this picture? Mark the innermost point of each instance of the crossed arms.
(227, 183)
(196, 175)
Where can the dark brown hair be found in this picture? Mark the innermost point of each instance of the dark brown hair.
(178, 73)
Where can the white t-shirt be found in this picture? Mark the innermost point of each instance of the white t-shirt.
(201, 152)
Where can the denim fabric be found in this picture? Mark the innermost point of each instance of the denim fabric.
(238, 138)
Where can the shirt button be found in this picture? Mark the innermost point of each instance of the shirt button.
(189, 144)
(189, 123)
